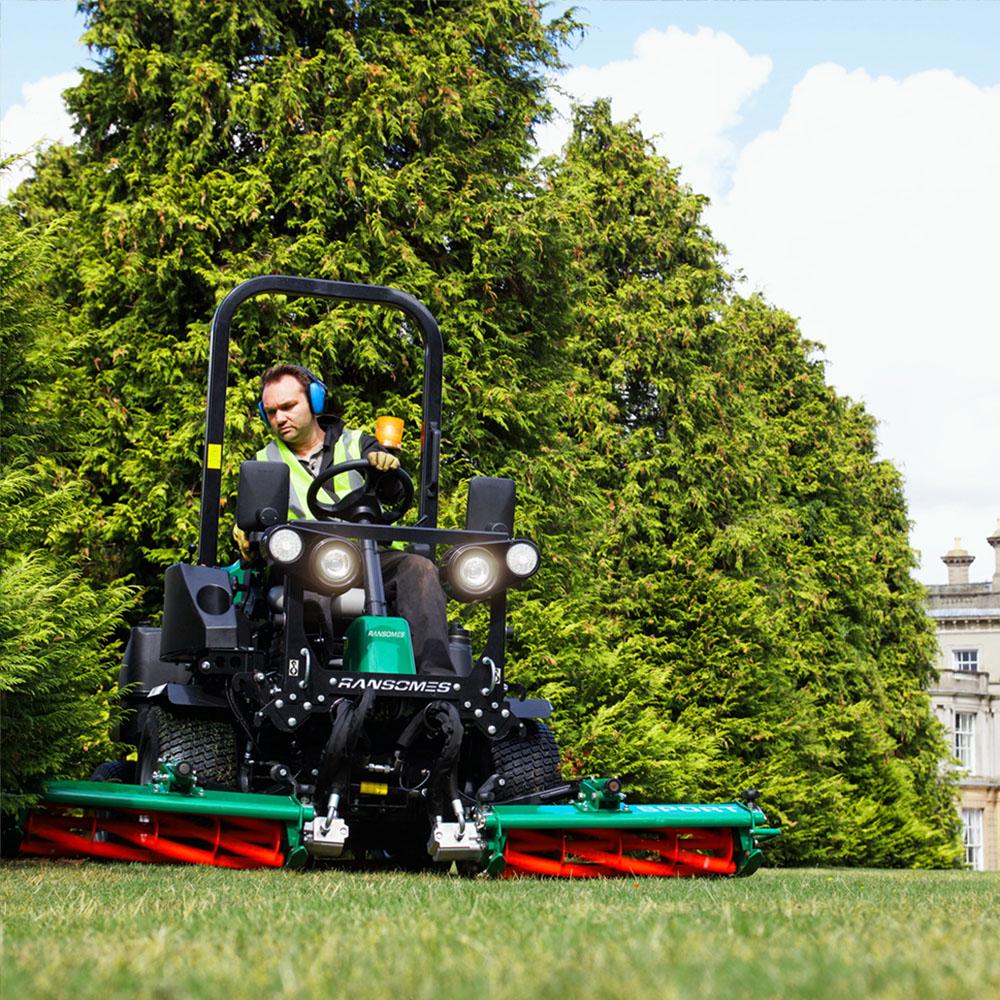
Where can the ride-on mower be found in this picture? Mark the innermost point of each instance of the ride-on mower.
(277, 714)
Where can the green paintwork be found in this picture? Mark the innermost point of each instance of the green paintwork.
(176, 777)
(179, 793)
(601, 805)
(239, 579)
(748, 862)
(598, 807)
(602, 793)
(379, 645)
(157, 798)
(297, 857)
(583, 816)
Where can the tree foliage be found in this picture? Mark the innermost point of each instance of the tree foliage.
(750, 615)
(726, 599)
(56, 667)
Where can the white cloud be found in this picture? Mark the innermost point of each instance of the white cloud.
(686, 89)
(41, 119)
(873, 213)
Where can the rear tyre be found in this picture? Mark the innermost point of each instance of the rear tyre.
(528, 762)
(208, 745)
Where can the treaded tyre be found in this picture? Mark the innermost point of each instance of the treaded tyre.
(528, 764)
(122, 771)
(207, 745)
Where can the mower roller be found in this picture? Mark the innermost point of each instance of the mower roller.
(278, 716)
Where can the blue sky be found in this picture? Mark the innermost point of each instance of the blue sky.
(850, 151)
(894, 37)
(891, 37)
(37, 38)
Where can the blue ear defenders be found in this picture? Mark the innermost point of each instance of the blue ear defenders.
(316, 395)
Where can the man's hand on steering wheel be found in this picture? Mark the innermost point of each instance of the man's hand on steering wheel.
(384, 461)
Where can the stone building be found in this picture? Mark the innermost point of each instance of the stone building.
(966, 697)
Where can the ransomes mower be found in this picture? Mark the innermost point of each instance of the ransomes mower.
(278, 717)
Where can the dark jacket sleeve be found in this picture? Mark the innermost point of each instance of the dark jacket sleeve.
(370, 443)
(334, 426)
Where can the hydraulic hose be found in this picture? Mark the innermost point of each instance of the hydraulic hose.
(345, 729)
(443, 717)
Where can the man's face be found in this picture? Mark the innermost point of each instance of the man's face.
(288, 411)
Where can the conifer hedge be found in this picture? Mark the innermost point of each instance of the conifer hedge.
(725, 600)
(58, 663)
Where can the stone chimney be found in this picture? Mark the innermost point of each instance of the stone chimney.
(958, 562)
(994, 540)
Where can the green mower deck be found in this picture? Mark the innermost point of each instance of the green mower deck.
(167, 822)
(598, 835)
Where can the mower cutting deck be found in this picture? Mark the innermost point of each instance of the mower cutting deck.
(175, 821)
(600, 835)
(171, 821)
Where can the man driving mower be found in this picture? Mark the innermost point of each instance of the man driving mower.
(274, 710)
(308, 441)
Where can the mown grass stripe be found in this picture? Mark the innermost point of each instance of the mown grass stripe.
(92, 930)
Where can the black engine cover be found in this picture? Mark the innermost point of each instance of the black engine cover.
(198, 612)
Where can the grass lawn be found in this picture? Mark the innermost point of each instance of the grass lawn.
(84, 929)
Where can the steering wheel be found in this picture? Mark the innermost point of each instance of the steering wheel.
(385, 497)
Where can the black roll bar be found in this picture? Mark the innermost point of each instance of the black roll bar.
(218, 372)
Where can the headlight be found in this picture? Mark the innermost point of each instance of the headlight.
(522, 559)
(285, 545)
(337, 564)
(474, 571)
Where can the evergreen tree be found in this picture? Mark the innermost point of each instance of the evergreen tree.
(377, 141)
(56, 667)
(752, 616)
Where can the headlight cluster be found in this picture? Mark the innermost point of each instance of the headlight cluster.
(477, 571)
(333, 565)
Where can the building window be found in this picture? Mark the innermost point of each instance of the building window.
(965, 659)
(965, 723)
(972, 838)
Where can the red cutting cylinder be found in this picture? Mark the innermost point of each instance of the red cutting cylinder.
(660, 853)
(125, 835)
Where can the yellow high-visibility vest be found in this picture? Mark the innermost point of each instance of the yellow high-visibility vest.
(347, 448)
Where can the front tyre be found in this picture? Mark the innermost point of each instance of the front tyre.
(527, 760)
(208, 745)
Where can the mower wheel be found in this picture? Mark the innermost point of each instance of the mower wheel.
(528, 763)
(115, 770)
(208, 745)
